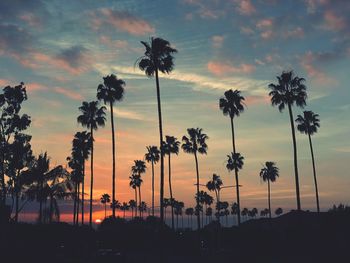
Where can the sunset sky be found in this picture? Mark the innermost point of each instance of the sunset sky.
(62, 49)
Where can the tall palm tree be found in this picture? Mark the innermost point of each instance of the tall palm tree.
(215, 185)
(158, 56)
(139, 168)
(171, 146)
(269, 173)
(195, 143)
(309, 124)
(235, 163)
(289, 91)
(105, 198)
(111, 91)
(92, 117)
(152, 156)
(134, 184)
(232, 105)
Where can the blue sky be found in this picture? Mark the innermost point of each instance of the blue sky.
(62, 49)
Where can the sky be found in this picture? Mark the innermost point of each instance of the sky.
(62, 49)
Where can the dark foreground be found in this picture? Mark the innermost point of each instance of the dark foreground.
(293, 237)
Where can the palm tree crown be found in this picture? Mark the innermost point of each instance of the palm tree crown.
(270, 172)
(153, 154)
(215, 183)
(234, 162)
(111, 90)
(139, 167)
(158, 56)
(171, 145)
(232, 103)
(308, 123)
(196, 142)
(92, 116)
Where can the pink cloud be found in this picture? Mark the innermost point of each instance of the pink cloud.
(263, 23)
(333, 21)
(222, 68)
(122, 21)
(255, 100)
(295, 33)
(217, 41)
(31, 19)
(245, 7)
(5, 82)
(69, 93)
(267, 34)
(34, 86)
(246, 30)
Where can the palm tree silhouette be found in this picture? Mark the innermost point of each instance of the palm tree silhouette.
(309, 124)
(135, 182)
(139, 168)
(158, 56)
(232, 105)
(132, 205)
(105, 198)
(111, 91)
(167, 202)
(279, 211)
(234, 209)
(171, 145)
(92, 117)
(269, 173)
(152, 156)
(290, 90)
(215, 185)
(235, 162)
(194, 144)
(124, 207)
(189, 212)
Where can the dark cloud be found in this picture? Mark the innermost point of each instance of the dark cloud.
(74, 56)
(14, 40)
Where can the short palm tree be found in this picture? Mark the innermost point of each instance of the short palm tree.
(309, 124)
(235, 163)
(195, 143)
(289, 91)
(215, 185)
(139, 168)
(269, 173)
(158, 56)
(171, 146)
(124, 207)
(105, 198)
(92, 117)
(152, 156)
(111, 91)
(134, 184)
(189, 212)
(132, 205)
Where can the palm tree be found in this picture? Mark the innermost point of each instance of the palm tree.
(111, 91)
(152, 156)
(158, 56)
(171, 145)
(235, 162)
(132, 205)
(105, 198)
(269, 173)
(279, 211)
(194, 144)
(167, 202)
(143, 208)
(290, 90)
(124, 207)
(178, 211)
(215, 185)
(135, 182)
(234, 209)
(92, 117)
(309, 124)
(189, 212)
(139, 168)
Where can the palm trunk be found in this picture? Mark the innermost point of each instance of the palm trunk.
(295, 158)
(82, 194)
(92, 175)
(315, 178)
(74, 206)
(140, 200)
(152, 188)
(41, 201)
(269, 196)
(106, 210)
(171, 195)
(161, 149)
(78, 194)
(16, 206)
(236, 175)
(136, 208)
(113, 165)
(51, 209)
(197, 199)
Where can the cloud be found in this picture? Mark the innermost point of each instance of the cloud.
(246, 30)
(69, 93)
(205, 9)
(120, 20)
(221, 68)
(263, 23)
(217, 41)
(14, 41)
(34, 86)
(245, 7)
(74, 59)
(298, 32)
(334, 21)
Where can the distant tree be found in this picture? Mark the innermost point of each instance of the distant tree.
(215, 185)
(193, 144)
(235, 163)
(139, 168)
(289, 91)
(135, 183)
(171, 146)
(158, 56)
(92, 117)
(309, 124)
(209, 213)
(234, 209)
(132, 205)
(279, 211)
(178, 211)
(189, 212)
(105, 198)
(269, 173)
(124, 207)
(143, 208)
(167, 202)
(111, 91)
(152, 156)
(244, 212)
